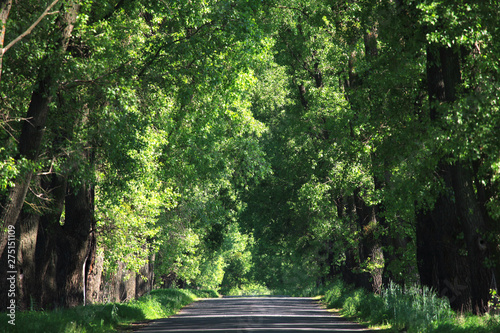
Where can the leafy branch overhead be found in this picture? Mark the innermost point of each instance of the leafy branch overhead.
(237, 143)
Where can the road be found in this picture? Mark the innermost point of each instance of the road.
(253, 314)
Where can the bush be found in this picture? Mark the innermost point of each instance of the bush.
(252, 289)
(410, 309)
(337, 294)
(204, 293)
(98, 318)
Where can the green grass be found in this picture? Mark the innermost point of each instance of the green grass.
(105, 317)
(409, 309)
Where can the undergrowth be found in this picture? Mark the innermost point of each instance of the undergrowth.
(251, 289)
(99, 318)
(405, 309)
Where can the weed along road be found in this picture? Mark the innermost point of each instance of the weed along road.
(254, 314)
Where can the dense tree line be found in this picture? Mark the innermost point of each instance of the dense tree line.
(386, 151)
(217, 143)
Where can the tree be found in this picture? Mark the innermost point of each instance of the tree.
(456, 222)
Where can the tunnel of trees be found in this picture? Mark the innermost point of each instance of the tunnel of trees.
(216, 143)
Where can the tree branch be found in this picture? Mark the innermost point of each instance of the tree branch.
(165, 45)
(293, 8)
(30, 29)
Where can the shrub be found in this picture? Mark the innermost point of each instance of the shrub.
(252, 289)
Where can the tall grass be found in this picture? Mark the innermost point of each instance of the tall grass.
(415, 309)
(105, 317)
(406, 309)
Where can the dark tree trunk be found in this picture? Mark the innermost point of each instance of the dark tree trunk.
(76, 244)
(49, 232)
(367, 249)
(370, 250)
(450, 250)
(144, 279)
(28, 284)
(95, 279)
(29, 147)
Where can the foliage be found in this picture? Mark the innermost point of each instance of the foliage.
(243, 144)
(251, 289)
(412, 309)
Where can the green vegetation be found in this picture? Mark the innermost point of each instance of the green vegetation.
(408, 309)
(251, 289)
(249, 145)
(107, 317)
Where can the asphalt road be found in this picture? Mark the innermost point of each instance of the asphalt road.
(254, 314)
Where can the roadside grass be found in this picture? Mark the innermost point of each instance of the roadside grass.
(409, 309)
(109, 317)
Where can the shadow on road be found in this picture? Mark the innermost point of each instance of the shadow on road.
(254, 314)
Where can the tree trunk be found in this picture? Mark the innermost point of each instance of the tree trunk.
(28, 284)
(450, 251)
(5, 6)
(370, 250)
(34, 126)
(76, 244)
(29, 147)
(95, 279)
(49, 232)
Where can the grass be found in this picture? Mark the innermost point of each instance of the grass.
(409, 309)
(110, 317)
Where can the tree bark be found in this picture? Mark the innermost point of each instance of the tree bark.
(76, 244)
(451, 253)
(28, 284)
(47, 255)
(29, 146)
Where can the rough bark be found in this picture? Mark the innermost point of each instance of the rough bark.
(76, 244)
(95, 279)
(49, 231)
(28, 286)
(29, 146)
(144, 280)
(370, 250)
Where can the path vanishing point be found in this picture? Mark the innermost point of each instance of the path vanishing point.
(254, 314)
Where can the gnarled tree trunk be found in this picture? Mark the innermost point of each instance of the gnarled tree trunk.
(75, 245)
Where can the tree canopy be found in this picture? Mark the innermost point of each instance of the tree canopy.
(239, 141)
